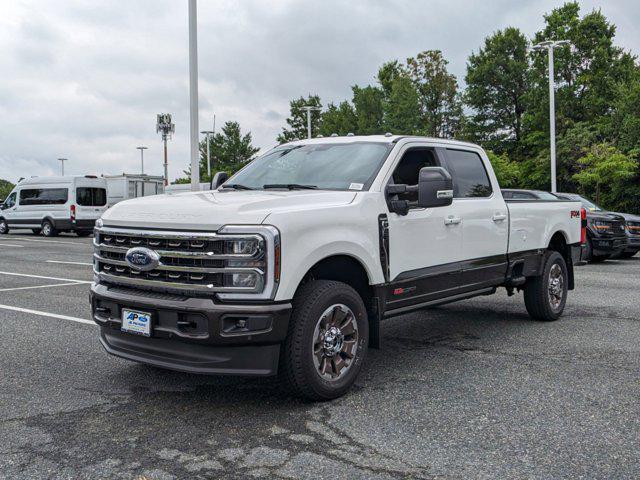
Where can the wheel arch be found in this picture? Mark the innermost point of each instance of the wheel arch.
(351, 270)
(559, 243)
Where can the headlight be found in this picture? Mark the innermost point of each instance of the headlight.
(253, 263)
(241, 247)
(599, 225)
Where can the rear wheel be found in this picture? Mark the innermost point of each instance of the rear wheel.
(48, 230)
(4, 227)
(327, 340)
(36, 231)
(546, 295)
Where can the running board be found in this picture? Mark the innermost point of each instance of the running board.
(440, 301)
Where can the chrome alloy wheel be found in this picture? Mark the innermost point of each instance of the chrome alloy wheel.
(3, 226)
(556, 286)
(46, 229)
(335, 341)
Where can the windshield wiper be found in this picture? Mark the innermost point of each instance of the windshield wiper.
(237, 186)
(290, 186)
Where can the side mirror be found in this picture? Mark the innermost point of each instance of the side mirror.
(218, 179)
(435, 187)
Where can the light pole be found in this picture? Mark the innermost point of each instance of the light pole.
(193, 95)
(549, 45)
(309, 108)
(142, 149)
(206, 133)
(62, 160)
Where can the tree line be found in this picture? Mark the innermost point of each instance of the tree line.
(505, 107)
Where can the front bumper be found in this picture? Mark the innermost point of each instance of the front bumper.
(633, 243)
(603, 245)
(195, 335)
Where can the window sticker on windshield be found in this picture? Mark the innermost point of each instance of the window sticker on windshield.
(356, 186)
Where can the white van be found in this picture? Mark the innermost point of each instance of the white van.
(55, 204)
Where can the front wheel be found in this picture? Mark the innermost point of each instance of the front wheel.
(4, 227)
(546, 295)
(326, 342)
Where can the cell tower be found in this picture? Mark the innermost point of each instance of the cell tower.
(165, 127)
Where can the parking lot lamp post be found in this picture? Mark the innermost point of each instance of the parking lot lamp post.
(309, 109)
(193, 95)
(62, 160)
(549, 45)
(142, 149)
(206, 133)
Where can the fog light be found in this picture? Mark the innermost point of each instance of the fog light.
(243, 280)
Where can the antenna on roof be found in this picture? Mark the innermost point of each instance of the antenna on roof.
(350, 134)
(319, 136)
(334, 134)
(388, 134)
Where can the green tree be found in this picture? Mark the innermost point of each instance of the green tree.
(368, 107)
(297, 121)
(497, 85)
(625, 117)
(5, 188)
(586, 75)
(402, 107)
(507, 171)
(602, 166)
(339, 119)
(440, 104)
(230, 151)
(387, 73)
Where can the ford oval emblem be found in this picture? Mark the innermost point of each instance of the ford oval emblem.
(142, 259)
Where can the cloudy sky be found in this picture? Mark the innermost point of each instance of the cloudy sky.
(85, 79)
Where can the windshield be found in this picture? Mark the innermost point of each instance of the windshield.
(329, 166)
(588, 204)
(546, 196)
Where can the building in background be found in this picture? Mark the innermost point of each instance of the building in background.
(132, 185)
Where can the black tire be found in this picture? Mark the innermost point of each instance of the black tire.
(588, 250)
(36, 231)
(48, 230)
(300, 351)
(537, 291)
(4, 227)
(83, 233)
(628, 254)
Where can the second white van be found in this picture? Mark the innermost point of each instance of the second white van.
(50, 205)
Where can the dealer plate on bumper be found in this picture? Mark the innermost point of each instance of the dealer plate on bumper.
(136, 322)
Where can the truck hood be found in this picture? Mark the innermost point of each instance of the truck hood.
(213, 209)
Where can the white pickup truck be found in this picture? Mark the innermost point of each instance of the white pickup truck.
(290, 265)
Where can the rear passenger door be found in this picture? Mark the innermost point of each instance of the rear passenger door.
(485, 222)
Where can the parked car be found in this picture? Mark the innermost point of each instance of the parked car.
(633, 235)
(521, 194)
(606, 231)
(292, 263)
(55, 204)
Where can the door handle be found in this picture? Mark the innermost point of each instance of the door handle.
(451, 220)
(499, 217)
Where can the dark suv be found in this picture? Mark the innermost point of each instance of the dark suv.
(633, 235)
(606, 231)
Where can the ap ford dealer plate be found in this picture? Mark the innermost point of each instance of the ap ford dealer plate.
(136, 322)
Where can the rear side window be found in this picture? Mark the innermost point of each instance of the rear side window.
(44, 196)
(470, 179)
(91, 197)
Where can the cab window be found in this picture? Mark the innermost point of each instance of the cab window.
(407, 171)
(44, 196)
(470, 179)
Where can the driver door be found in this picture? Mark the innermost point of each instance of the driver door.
(425, 246)
(9, 208)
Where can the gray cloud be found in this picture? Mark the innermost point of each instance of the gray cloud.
(85, 79)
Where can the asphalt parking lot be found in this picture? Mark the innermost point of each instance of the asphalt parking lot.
(468, 390)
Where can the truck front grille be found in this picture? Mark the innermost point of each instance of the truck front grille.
(189, 262)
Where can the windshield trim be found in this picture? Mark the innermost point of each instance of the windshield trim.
(366, 186)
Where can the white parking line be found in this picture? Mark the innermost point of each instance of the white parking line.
(70, 263)
(10, 245)
(73, 280)
(45, 241)
(47, 314)
(40, 286)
